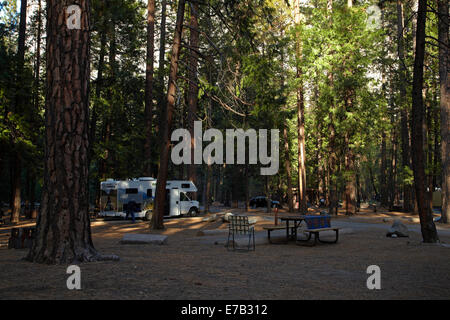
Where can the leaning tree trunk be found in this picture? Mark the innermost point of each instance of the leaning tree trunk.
(166, 124)
(429, 233)
(444, 68)
(63, 232)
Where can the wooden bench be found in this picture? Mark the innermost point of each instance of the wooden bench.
(272, 228)
(316, 233)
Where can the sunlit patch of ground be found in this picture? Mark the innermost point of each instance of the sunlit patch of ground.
(187, 268)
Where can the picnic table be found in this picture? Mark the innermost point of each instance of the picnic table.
(315, 225)
(296, 220)
(293, 227)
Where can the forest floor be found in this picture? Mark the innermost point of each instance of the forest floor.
(196, 267)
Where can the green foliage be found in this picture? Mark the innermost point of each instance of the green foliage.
(247, 79)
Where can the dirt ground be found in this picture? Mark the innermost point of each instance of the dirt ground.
(189, 267)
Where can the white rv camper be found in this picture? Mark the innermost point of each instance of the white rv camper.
(115, 196)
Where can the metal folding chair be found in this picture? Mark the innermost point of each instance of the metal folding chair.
(239, 225)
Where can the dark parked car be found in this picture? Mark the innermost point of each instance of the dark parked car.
(261, 202)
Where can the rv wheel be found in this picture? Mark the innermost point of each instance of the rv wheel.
(192, 212)
(148, 216)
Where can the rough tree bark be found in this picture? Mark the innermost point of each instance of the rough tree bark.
(429, 233)
(63, 232)
(166, 124)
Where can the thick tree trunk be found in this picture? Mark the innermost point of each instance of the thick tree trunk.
(166, 124)
(149, 88)
(444, 69)
(193, 85)
(429, 233)
(63, 232)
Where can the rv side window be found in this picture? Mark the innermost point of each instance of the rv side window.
(184, 197)
(150, 193)
(131, 191)
(185, 186)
